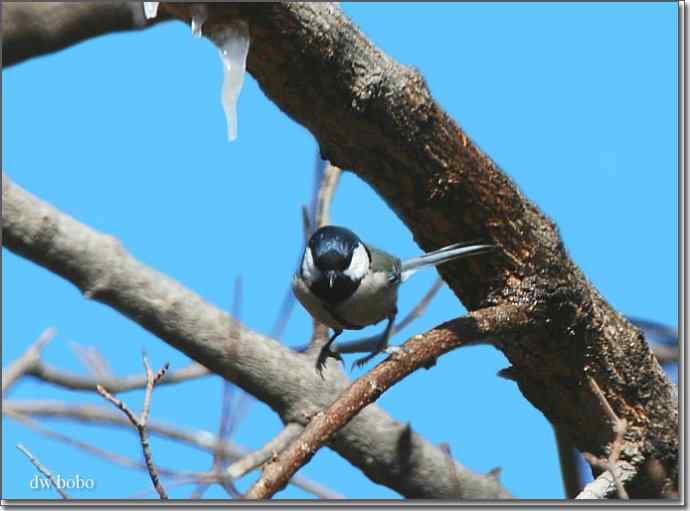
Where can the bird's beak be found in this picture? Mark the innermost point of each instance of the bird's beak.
(331, 278)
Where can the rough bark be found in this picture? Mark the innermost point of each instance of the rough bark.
(287, 381)
(376, 118)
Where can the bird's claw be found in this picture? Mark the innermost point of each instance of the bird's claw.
(324, 355)
(360, 362)
(390, 350)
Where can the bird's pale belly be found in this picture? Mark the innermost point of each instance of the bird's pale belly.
(373, 301)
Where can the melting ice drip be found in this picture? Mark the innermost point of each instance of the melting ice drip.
(150, 9)
(199, 16)
(233, 45)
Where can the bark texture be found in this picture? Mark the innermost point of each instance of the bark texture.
(377, 118)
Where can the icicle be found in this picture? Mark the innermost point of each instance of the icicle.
(199, 16)
(150, 9)
(233, 45)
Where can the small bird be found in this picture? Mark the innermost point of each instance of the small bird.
(347, 284)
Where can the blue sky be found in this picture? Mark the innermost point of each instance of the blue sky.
(576, 102)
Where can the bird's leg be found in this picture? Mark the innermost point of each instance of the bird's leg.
(326, 352)
(381, 345)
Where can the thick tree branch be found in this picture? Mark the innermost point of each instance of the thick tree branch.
(420, 351)
(377, 118)
(99, 266)
(30, 29)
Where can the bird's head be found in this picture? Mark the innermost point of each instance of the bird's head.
(334, 263)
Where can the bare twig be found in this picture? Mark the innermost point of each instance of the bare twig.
(619, 428)
(286, 308)
(24, 363)
(43, 470)
(91, 359)
(256, 458)
(140, 422)
(417, 352)
(91, 449)
(49, 374)
(199, 439)
(329, 184)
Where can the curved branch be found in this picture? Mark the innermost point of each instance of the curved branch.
(420, 351)
(286, 381)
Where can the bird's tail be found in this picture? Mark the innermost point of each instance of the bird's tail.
(442, 255)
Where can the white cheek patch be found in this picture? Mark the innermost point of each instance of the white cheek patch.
(309, 270)
(359, 265)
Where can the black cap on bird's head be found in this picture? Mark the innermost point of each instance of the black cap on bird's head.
(335, 262)
(332, 247)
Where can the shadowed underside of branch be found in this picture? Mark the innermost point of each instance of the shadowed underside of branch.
(376, 118)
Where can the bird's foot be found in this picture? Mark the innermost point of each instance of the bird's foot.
(394, 351)
(326, 353)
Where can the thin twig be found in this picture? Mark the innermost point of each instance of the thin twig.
(91, 449)
(140, 422)
(619, 427)
(91, 359)
(256, 458)
(114, 385)
(329, 184)
(43, 470)
(199, 439)
(417, 352)
(23, 364)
